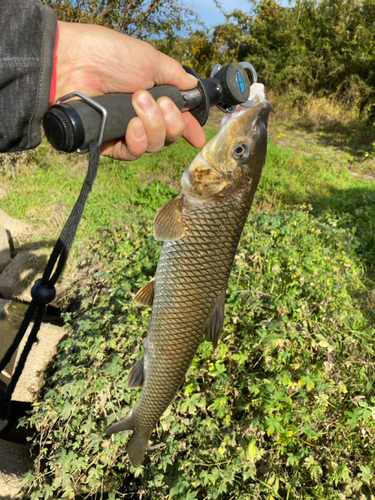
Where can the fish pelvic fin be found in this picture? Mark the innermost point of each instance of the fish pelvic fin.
(136, 375)
(145, 295)
(125, 424)
(137, 448)
(215, 322)
(168, 223)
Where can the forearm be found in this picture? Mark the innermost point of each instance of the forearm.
(27, 40)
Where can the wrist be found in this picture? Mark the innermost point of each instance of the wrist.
(77, 66)
(67, 50)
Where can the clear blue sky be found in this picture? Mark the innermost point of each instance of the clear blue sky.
(210, 14)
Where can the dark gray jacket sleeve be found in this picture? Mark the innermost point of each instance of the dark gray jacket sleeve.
(27, 40)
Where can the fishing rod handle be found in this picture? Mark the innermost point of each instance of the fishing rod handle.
(69, 126)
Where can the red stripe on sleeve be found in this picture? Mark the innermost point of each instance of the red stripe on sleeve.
(53, 81)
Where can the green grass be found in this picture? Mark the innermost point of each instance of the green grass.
(46, 190)
(47, 184)
(121, 190)
(284, 407)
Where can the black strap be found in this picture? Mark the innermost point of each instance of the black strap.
(43, 292)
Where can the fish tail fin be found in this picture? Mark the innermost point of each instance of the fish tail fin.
(125, 424)
(137, 447)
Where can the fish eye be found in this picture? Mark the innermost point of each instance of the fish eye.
(241, 151)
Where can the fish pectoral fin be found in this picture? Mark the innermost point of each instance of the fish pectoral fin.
(145, 295)
(214, 324)
(136, 375)
(168, 223)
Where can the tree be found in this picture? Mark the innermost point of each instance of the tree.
(139, 18)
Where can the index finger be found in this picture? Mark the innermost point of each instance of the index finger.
(168, 71)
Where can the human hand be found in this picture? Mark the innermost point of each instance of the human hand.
(96, 60)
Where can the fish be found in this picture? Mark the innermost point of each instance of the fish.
(200, 228)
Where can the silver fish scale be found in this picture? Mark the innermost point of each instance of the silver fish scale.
(192, 272)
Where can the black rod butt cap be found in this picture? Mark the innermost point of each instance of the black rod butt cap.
(63, 128)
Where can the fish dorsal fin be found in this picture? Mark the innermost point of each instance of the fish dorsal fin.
(136, 374)
(145, 295)
(214, 324)
(168, 223)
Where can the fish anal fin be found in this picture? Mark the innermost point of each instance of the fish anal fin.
(145, 295)
(214, 324)
(137, 447)
(125, 424)
(136, 375)
(168, 223)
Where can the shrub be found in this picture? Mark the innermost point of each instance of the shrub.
(284, 407)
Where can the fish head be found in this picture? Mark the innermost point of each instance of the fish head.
(231, 160)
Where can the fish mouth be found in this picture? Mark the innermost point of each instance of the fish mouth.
(261, 111)
(254, 120)
(264, 105)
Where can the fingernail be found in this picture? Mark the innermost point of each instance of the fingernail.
(145, 102)
(139, 131)
(193, 78)
(167, 106)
